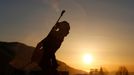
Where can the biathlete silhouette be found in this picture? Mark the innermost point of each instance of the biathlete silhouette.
(44, 53)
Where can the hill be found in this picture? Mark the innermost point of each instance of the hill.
(17, 55)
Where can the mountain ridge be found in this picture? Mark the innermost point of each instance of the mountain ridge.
(19, 55)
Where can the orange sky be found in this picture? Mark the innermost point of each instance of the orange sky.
(103, 29)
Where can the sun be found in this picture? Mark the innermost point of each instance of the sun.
(87, 58)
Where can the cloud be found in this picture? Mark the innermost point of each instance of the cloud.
(55, 5)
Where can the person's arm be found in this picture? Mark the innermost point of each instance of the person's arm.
(54, 61)
(37, 53)
(55, 27)
(39, 45)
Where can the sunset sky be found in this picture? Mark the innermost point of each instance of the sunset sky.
(102, 28)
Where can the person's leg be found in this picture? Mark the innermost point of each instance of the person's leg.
(46, 68)
(54, 71)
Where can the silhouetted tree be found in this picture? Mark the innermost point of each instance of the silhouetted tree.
(102, 71)
(93, 72)
(122, 71)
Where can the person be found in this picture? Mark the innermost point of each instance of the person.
(48, 47)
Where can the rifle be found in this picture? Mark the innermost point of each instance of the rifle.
(55, 27)
(63, 11)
